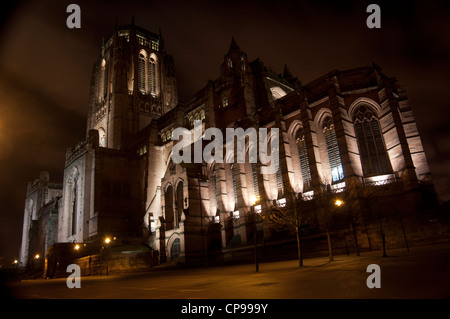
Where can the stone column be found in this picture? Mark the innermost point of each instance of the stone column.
(311, 148)
(337, 106)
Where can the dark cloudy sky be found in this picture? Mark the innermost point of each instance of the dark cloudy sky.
(45, 68)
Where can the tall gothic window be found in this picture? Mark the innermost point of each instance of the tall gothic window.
(234, 172)
(179, 202)
(74, 202)
(216, 189)
(255, 179)
(337, 173)
(278, 174)
(103, 81)
(152, 76)
(303, 157)
(374, 159)
(168, 214)
(142, 72)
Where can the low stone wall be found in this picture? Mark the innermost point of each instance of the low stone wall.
(117, 262)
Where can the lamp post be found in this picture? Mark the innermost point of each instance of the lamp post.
(252, 208)
(339, 203)
(107, 241)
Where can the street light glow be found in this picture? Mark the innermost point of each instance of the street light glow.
(107, 240)
(338, 202)
(37, 256)
(77, 247)
(254, 200)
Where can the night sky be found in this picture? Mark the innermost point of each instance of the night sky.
(45, 68)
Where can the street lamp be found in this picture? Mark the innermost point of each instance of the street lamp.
(338, 202)
(103, 255)
(77, 247)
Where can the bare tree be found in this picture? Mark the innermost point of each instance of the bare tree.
(354, 198)
(292, 216)
(374, 193)
(324, 206)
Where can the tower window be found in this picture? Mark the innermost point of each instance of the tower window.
(337, 172)
(74, 202)
(230, 63)
(152, 76)
(374, 159)
(142, 71)
(225, 102)
(155, 45)
(103, 81)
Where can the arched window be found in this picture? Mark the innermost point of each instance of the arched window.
(142, 72)
(103, 81)
(243, 63)
(337, 173)
(175, 249)
(216, 189)
(303, 157)
(168, 212)
(374, 159)
(277, 92)
(179, 202)
(152, 75)
(102, 137)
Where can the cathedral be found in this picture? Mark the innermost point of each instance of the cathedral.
(345, 127)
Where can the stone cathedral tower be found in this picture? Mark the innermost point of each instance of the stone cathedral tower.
(104, 190)
(132, 83)
(344, 132)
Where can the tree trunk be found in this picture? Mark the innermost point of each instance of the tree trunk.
(299, 250)
(404, 233)
(355, 235)
(330, 248)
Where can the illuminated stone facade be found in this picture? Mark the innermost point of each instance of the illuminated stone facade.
(40, 219)
(353, 125)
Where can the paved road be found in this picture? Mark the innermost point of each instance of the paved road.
(424, 272)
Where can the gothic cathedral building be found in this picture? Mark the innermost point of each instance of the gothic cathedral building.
(345, 127)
